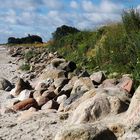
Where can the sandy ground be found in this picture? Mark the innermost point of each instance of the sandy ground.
(25, 125)
(7, 70)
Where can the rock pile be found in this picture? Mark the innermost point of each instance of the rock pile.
(98, 108)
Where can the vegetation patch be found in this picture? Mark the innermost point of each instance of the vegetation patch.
(25, 67)
(111, 48)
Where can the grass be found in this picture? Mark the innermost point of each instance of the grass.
(114, 48)
(25, 67)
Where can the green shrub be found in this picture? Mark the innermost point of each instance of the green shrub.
(25, 67)
(30, 54)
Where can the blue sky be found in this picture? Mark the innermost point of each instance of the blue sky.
(21, 17)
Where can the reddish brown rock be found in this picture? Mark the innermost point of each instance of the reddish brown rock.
(25, 104)
(126, 83)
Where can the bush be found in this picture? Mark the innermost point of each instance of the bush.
(25, 67)
(63, 31)
(30, 54)
(25, 40)
(131, 21)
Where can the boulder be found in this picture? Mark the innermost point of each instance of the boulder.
(66, 107)
(52, 73)
(108, 83)
(85, 132)
(67, 66)
(126, 83)
(73, 98)
(58, 90)
(50, 55)
(41, 86)
(67, 88)
(51, 88)
(41, 100)
(49, 94)
(37, 93)
(61, 99)
(57, 61)
(133, 112)
(4, 84)
(25, 104)
(116, 105)
(25, 94)
(73, 80)
(115, 91)
(20, 85)
(91, 110)
(97, 77)
(60, 82)
(83, 84)
(98, 107)
(50, 105)
(132, 133)
(117, 129)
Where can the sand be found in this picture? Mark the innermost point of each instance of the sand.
(39, 125)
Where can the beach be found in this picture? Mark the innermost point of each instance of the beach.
(22, 125)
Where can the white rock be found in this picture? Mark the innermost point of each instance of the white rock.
(25, 94)
(61, 99)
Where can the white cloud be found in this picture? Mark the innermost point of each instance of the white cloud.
(109, 7)
(103, 18)
(8, 17)
(138, 7)
(53, 4)
(74, 4)
(88, 6)
(19, 4)
(105, 6)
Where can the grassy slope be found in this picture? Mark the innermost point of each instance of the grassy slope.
(112, 48)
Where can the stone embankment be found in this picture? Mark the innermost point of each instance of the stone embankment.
(55, 101)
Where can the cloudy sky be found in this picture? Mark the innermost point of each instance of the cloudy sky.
(21, 17)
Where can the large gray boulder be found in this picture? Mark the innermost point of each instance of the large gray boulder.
(98, 107)
(91, 110)
(85, 132)
(73, 103)
(60, 82)
(83, 84)
(52, 73)
(133, 112)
